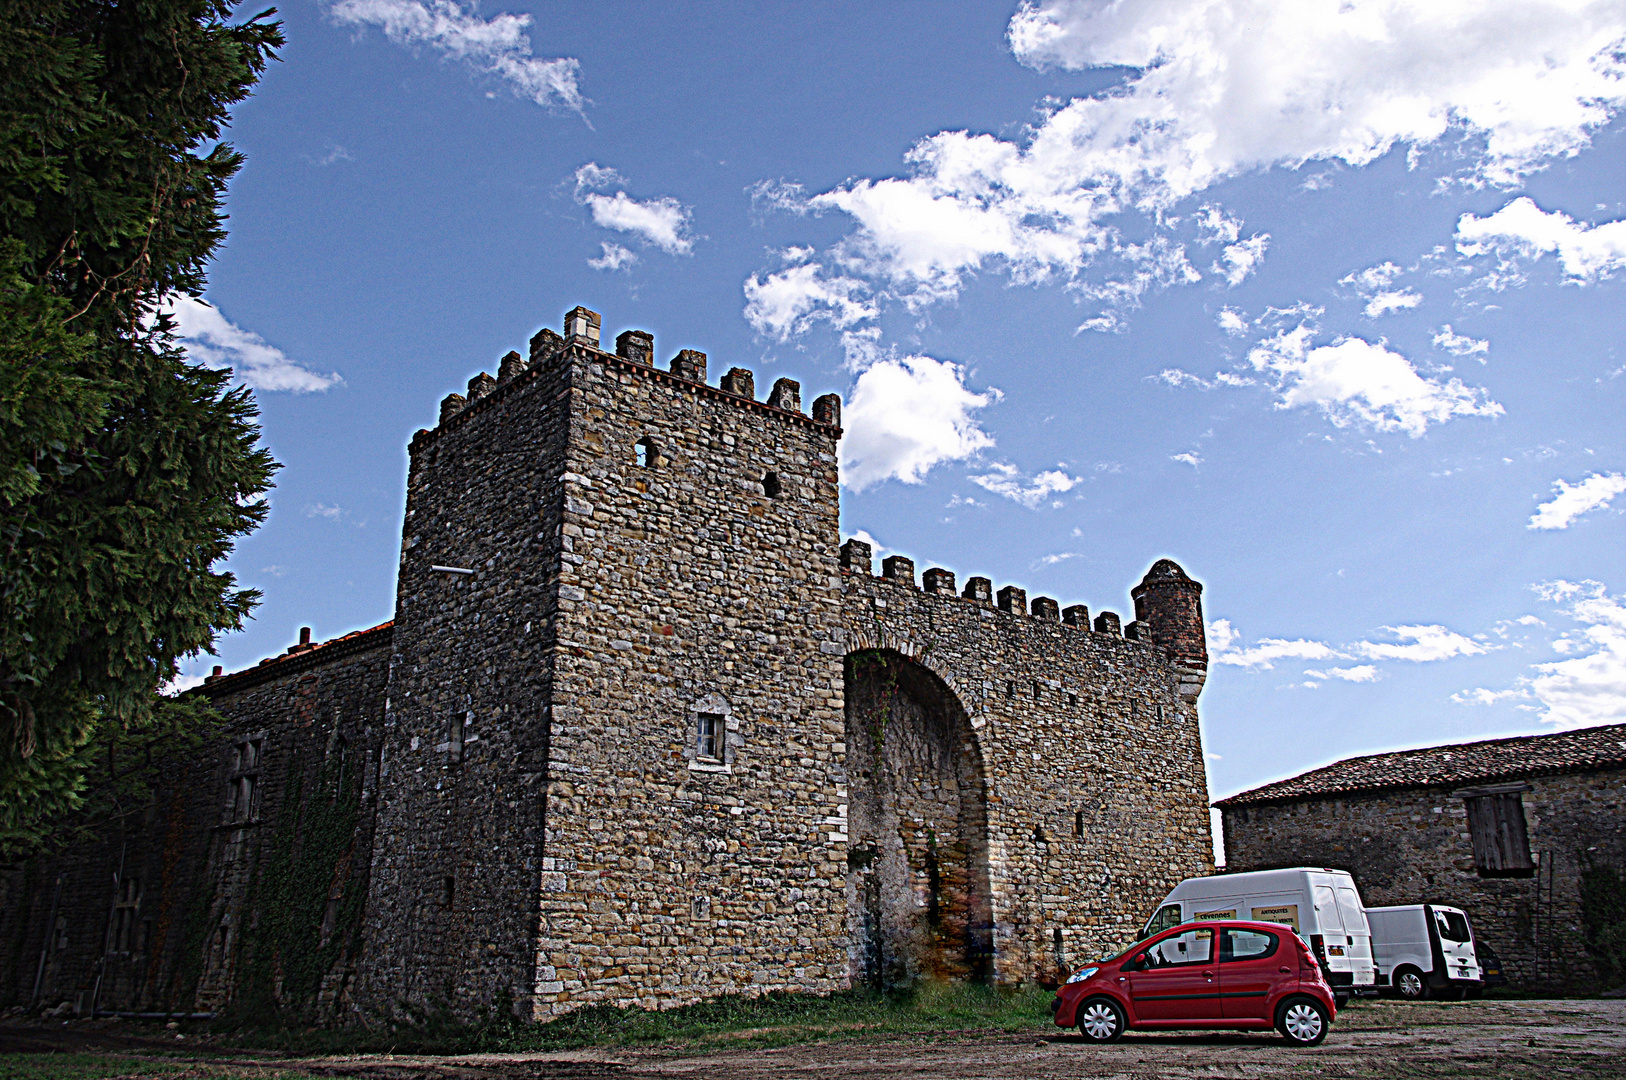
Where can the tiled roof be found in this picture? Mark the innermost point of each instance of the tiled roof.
(298, 658)
(1460, 763)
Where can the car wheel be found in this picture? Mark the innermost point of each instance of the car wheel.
(1303, 1021)
(1410, 984)
(1100, 1020)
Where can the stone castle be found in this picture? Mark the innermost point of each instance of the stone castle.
(643, 731)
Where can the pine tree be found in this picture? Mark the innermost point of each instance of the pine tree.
(126, 473)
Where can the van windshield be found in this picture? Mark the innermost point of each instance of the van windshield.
(1349, 906)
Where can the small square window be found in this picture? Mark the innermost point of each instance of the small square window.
(709, 736)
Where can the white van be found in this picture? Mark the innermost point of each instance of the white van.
(1425, 950)
(1322, 905)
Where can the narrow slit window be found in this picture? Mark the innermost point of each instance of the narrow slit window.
(450, 885)
(709, 736)
(454, 738)
(770, 485)
(1072, 701)
(1010, 689)
(645, 453)
(1037, 692)
(1078, 823)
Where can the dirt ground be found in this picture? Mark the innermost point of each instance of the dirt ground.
(1505, 1040)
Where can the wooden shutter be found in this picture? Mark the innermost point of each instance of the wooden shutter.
(1501, 844)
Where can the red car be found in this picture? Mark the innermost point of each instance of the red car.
(1241, 976)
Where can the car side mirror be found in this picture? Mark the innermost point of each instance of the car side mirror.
(1137, 964)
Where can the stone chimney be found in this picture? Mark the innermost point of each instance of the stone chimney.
(741, 383)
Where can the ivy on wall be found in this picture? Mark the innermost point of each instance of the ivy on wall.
(291, 941)
(1603, 919)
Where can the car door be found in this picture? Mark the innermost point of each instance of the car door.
(1179, 983)
(1253, 966)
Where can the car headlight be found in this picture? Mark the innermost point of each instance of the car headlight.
(1081, 974)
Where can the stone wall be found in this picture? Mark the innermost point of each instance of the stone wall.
(1412, 845)
(203, 894)
(1089, 751)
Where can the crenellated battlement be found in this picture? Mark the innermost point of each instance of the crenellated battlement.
(1168, 606)
(635, 354)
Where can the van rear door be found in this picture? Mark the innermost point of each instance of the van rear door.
(1359, 933)
(1456, 944)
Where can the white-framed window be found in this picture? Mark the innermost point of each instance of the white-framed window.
(713, 735)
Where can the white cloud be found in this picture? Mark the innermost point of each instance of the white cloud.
(596, 177)
(1393, 300)
(1239, 260)
(1587, 688)
(1373, 279)
(906, 414)
(1460, 344)
(792, 300)
(332, 513)
(1216, 89)
(1231, 321)
(1570, 501)
(1419, 644)
(663, 222)
(1224, 86)
(498, 45)
(1358, 674)
(1587, 253)
(1354, 381)
(1059, 557)
(615, 257)
(210, 340)
(1189, 458)
(1222, 649)
(1007, 480)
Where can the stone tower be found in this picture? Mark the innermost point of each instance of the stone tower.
(613, 735)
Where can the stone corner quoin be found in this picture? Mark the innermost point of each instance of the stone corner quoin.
(644, 730)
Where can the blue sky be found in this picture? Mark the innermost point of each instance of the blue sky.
(1321, 299)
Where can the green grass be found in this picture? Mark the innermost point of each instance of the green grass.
(111, 1066)
(929, 1010)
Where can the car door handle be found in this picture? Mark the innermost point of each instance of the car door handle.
(1208, 974)
(1285, 970)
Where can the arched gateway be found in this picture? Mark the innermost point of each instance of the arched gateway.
(918, 886)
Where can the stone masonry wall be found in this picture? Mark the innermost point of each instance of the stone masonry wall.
(1096, 791)
(189, 870)
(704, 582)
(1412, 846)
(452, 917)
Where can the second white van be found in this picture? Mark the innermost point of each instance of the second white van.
(1425, 950)
(1321, 904)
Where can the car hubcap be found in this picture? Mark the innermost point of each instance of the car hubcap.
(1099, 1022)
(1303, 1022)
(1411, 985)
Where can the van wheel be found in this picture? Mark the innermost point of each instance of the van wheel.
(1303, 1021)
(1100, 1020)
(1410, 984)
(1340, 1000)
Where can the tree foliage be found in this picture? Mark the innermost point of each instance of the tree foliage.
(126, 473)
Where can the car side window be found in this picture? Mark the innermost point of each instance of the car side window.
(1246, 945)
(1191, 947)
